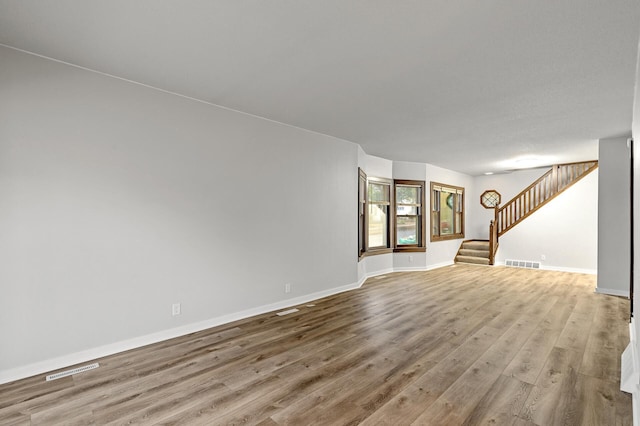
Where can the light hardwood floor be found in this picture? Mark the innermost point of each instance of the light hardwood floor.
(458, 345)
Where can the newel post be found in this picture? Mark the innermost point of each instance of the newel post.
(491, 231)
(494, 228)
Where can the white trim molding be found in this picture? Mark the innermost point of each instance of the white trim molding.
(612, 292)
(630, 373)
(85, 356)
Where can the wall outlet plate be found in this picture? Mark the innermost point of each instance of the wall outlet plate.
(175, 309)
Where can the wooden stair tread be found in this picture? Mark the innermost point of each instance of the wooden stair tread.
(476, 245)
(472, 259)
(474, 252)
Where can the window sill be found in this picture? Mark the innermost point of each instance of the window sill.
(447, 238)
(410, 250)
(377, 252)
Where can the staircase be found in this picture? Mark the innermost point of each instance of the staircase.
(555, 181)
(558, 179)
(474, 251)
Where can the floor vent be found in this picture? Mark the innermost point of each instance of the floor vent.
(287, 312)
(72, 372)
(522, 264)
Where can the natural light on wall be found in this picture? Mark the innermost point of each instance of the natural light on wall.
(527, 162)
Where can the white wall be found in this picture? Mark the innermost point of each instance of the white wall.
(614, 221)
(117, 200)
(631, 368)
(508, 185)
(565, 230)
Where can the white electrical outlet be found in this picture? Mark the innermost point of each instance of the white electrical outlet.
(543, 257)
(175, 309)
(410, 258)
(287, 288)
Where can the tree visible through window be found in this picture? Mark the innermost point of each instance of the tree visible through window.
(409, 214)
(390, 215)
(378, 214)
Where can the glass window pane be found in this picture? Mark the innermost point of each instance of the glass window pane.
(377, 225)
(407, 194)
(407, 229)
(446, 213)
(378, 192)
(436, 224)
(407, 211)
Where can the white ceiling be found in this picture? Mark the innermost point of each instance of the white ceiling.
(463, 84)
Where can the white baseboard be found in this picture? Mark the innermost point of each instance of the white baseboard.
(380, 272)
(574, 270)
(125, 345)
(410, 269)
(440, 265)
(65, 361)
(421, 268)
(630, 373)
(612, 292)
(560, 269)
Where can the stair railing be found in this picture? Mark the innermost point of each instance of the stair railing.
(493, 240)
(544, 189)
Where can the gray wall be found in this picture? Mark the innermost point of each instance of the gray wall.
(117, 200)
(614, 229)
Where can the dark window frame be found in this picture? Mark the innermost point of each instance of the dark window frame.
(420, 246)
(362, 213)
(457, 209)
(388, 248)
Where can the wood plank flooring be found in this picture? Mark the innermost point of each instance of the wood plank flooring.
(460, 345)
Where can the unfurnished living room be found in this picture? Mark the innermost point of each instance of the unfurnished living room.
(333, 213)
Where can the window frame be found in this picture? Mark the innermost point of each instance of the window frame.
(458, 192)
(369, 251)
(362, 213)
(420, 217)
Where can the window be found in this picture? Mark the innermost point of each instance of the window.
(447, 212)
(362, 206)
(379, 201)
(490, 199)
(409, 219)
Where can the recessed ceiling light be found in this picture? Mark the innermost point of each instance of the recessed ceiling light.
(488, 173)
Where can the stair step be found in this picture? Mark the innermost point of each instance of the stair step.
(472, 259)
(474, 253)
(476, 245)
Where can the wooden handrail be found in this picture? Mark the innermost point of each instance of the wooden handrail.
(544, 189)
